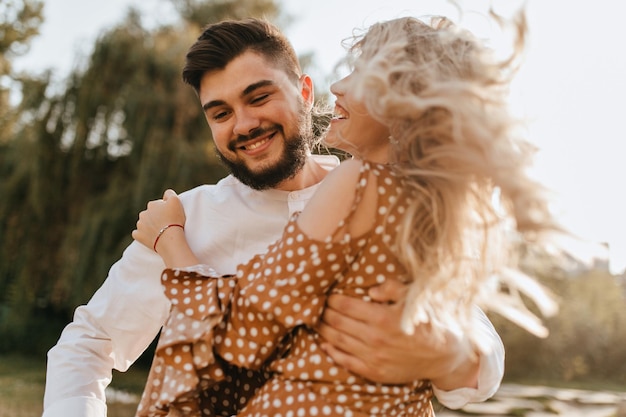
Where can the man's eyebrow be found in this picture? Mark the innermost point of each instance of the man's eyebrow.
(213, 103)
(252, 87)
(249, 89)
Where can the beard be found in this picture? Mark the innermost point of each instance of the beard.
(291, 161)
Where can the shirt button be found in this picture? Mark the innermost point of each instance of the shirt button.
(294, 196)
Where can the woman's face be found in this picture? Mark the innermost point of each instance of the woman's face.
(352, 129)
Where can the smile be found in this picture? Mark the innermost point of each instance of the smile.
(339, 113)
(255, 145)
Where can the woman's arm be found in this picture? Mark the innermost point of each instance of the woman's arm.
(159, 228)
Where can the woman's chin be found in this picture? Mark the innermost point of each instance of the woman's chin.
(331, 143)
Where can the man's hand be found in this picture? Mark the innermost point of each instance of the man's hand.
(366, 338)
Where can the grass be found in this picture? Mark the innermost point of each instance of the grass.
(22, 381)
(589, 384)
(21, 386)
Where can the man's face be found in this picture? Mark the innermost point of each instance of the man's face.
(259, 119)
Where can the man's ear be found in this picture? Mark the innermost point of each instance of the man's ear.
(306, 89)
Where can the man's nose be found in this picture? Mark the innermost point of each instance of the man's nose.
(245, 122)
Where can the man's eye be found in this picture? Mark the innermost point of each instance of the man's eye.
(220, 115)
(260, 98)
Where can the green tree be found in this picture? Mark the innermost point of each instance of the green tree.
(587, 336)
(85, 161)
(19, 22)
(199, 13)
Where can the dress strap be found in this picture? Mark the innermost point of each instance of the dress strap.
(361, 185)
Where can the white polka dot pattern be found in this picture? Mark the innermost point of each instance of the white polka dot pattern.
(264, 318)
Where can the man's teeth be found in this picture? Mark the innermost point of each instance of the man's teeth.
(256, 144)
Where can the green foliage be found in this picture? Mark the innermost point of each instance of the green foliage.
(201, 12)
(587, 337)
(19, 22)
(83, 162)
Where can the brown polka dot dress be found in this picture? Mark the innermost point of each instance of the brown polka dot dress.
(245, 345)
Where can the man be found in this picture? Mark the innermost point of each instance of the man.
(260, 118)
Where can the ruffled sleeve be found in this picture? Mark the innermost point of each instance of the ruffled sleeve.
(184, 365)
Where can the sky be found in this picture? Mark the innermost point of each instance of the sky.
(571, 88)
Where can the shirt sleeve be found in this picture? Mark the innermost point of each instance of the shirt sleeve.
(109, 332)
(490, 373)
(77, 406)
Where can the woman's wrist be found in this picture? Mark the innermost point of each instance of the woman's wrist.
(174, 249)
(163, 230)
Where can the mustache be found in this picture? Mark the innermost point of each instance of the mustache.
(259, 131)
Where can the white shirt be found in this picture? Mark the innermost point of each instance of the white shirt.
(227, 224)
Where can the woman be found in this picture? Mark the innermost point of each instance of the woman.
(435, 189)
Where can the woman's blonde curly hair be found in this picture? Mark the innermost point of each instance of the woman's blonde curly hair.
(444, 95)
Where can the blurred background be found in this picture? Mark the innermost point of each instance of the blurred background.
(95, 121)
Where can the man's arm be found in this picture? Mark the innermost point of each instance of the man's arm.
(367, 339)
(110, 332)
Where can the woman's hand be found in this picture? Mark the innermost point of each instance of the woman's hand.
(159, 215)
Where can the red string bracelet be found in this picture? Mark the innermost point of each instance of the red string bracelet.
(163, 230)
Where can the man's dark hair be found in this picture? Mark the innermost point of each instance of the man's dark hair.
(222, 42)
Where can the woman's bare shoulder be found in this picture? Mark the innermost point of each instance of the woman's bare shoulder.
(350, 168)
(332, 201)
